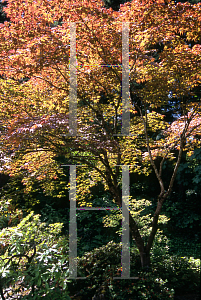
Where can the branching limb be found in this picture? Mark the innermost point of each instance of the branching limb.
(144, 120)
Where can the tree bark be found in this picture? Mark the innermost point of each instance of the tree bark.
(1, 290)
(145, 260)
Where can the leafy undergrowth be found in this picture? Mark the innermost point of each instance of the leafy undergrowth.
(169, 276)
(33, 261)
(34, 265)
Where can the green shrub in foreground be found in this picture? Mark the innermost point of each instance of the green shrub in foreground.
(169, 275)
(34, 264)
(181, 273)
(102, 264)
(33, 260)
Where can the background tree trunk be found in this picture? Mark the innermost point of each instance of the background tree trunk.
(145, 260)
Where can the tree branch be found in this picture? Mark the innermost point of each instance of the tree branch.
(148, 148)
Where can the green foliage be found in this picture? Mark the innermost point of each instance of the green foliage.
(50, 215)
(181, 273)
(33, 259)
(9, 216)
(49, 198)
(91, 230)
(169, 275)
(183, 208)
(14, 191)
(185, 246)
(141, 210)
(30, 189)
(194, 163)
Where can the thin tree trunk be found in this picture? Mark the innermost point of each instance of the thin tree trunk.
(1, 291)
(155, 224)
(116, 193)
(145, 260)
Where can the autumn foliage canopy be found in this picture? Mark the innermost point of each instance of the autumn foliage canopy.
(164, 71)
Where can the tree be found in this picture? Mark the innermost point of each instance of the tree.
(35, 113)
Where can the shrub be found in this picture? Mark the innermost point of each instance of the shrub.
(182, 274)
(169, 275)
(102, 264)
(33, 262)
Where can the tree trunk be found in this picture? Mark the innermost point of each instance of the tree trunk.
(145, 260)
(144, 255)
(1, 290)
(144, 251)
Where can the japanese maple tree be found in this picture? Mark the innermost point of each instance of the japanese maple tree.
(35, 113)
